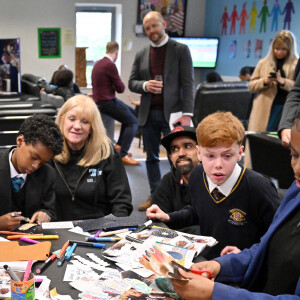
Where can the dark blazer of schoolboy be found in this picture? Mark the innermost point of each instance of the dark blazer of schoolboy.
(39, 189)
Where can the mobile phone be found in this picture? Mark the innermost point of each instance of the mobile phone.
(273, 74)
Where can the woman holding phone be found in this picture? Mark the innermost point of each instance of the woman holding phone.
(272, 79)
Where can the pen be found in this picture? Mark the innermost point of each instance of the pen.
(13, 233)
(98, 232)
(95, 245)
(133, 239)
(120, 227)
(15, 237)
(62, 250)
(113, 232)
(103, 239)
(170, 245)
(63, 258)
(28, 270)
(42, 237)
(28, 241)
(143, 227)
(24, 218)
(46, 263)
(11, 273)
(70, 252)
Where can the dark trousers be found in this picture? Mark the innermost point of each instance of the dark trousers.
(156, 124)
(123, 113)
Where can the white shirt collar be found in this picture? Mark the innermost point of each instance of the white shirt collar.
(228, 185)
(163, 42)
(106, 55)
(13, 171)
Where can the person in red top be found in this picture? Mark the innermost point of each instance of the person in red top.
(106, 81)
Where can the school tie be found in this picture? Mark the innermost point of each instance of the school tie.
(16, 183)
(217, 194)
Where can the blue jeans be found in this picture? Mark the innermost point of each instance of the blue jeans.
(123, 113)
(156, 124)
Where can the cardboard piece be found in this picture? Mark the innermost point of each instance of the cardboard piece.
(12, 251)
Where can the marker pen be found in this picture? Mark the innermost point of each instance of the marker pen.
(11, 273)
(24, 218)
(42, 237)
(95, 245)
(70, 252)
(97, 233)
(63, 258)
(62, 250)
(113, 232)
(103, 239)
(28, 270)
(133, 227)
(133, 239)
(143, 227)
(46, 263)
(22, 238)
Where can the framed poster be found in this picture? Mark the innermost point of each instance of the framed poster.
(173, 12)
(49, 42)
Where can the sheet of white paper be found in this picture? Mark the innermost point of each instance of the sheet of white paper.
(42, 292)
(2, 239)
(174, 116)
(57, 225)
(15, 265)
(79, 230)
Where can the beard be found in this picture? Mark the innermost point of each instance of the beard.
(185, 169)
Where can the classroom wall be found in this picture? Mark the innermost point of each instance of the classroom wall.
(19, 18)
(240, 49)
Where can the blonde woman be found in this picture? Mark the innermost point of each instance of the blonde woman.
(272, 79)
(91, 179)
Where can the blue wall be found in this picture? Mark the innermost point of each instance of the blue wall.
(230, 64)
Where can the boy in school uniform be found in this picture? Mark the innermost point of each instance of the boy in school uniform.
(233, 204)
(27, 182)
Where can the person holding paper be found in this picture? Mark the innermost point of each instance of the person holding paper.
(159, 99)
(269, 269)
(91, 180)
(27, 182)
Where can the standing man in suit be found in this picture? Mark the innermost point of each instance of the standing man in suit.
(106, 81)
(175, 92)
(27, 181)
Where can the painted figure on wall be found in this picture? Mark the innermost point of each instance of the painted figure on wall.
(243, 18)
(288, 10)
(276, 11)
(264, 13)
(234, 16)
(224, 21)
(253, 15)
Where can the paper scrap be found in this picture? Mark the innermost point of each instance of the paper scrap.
(27, 226)
(57, 225)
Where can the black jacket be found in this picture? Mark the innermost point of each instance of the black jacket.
(39, 189)
(92, 192)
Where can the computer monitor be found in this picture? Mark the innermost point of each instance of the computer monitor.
(10, 74)
(204, 50)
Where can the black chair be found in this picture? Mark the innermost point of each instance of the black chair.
(223, 96)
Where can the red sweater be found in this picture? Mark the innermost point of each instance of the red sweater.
(106, 80)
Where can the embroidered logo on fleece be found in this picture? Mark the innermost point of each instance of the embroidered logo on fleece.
(237, 217)
(94, 173)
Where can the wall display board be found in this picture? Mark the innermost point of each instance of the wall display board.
(49, 42)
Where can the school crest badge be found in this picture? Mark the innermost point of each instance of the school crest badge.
(237, 217)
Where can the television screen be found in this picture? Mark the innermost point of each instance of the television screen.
(10, 75)
(204, 51)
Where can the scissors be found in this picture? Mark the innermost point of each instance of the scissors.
(199, 272)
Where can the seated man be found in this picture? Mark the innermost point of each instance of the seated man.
(173, 192)
(233, 204)
(27, 182)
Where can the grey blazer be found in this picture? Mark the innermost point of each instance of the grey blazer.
(178, 81)
(39, 193)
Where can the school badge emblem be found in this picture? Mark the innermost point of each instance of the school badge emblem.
(237, 217)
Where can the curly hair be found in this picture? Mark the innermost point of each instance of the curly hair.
(63, 78)
(42, 128)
